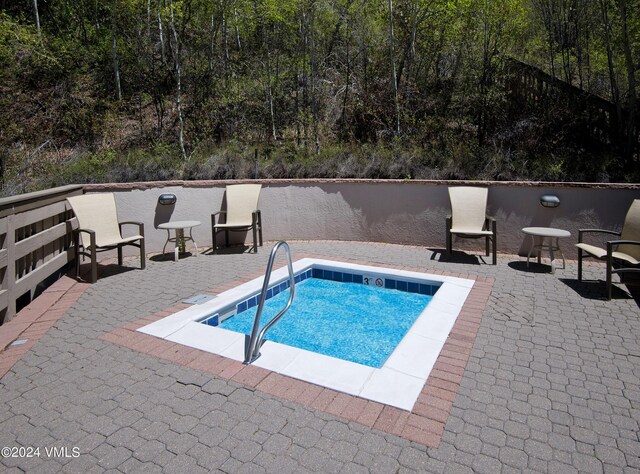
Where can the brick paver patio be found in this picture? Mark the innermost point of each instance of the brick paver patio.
(551, 384)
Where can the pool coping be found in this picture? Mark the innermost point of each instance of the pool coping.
(398, 382)
(423, 425)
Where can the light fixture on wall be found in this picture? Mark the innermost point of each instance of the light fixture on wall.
(549, 200)
(167, 199)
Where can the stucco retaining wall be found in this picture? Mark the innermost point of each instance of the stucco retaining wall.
(394, 211)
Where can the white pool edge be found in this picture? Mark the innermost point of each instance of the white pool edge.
(398, 382)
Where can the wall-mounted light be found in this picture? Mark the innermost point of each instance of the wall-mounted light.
(167, 199)
(549, 200)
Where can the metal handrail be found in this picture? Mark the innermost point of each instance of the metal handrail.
(252, 350)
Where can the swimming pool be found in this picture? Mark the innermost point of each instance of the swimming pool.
(397, 382)
(350, 321)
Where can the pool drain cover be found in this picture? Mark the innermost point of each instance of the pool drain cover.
(198, 299)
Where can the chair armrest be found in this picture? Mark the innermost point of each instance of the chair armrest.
(213, 217)
(595, 231)
(490, 223)
(256, 217)
(92, 236)
(611, 243)
(139, 224)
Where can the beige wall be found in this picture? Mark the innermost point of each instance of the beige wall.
(410, 212)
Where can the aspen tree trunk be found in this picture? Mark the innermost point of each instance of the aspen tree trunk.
(631, 79)
(225, 42)
(347, 81)
(615, 92)
(269, 87)
(212, 41)
(161, 33)
(314, 98)
(235, 16)
(114, 52)
(392, 59)
(412, 45)
(35, 8)
(176, 55)
(304, 25)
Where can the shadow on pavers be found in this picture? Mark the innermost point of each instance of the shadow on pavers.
(168, 256)
(231, 250)
(534, 267)
(104, 270)
(457, 256)
(597, 290)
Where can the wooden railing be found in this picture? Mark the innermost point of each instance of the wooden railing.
(35, 242)
(600, 120)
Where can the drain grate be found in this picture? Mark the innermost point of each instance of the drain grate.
(199, 299)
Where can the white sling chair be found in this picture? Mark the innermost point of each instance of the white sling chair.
(98, 219)
(622, 253)
(242, 213)
(469, 217)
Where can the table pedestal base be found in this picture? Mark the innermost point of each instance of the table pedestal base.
(180, 240)
(551, 245)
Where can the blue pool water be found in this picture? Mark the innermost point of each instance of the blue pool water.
(350, 321)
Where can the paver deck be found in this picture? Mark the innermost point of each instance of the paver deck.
(551, 384)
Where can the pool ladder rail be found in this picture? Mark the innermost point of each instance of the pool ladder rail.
(252, 349)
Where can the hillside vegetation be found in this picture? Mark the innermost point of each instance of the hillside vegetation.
(123, 90)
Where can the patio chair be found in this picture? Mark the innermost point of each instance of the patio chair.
(98, 219)
(469, 217)
(621, 255)
(242, 214)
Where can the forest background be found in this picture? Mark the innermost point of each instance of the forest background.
(129, 90)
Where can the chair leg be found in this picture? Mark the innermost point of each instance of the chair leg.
(486, 246)
(94, 258)
(495, 253)
(120, 255)
(449, 237)
(494, 229)
(143, 262)
(213, 235)
(260, 227)
(609, 268)
(226, 238)
(255, 239)
(76, 248)
(94, 264)
(579, 264)
(254, 229)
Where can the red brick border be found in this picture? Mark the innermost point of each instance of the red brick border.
(424, 424)
(33, 321)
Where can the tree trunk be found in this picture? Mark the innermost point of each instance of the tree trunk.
(615, 92)
(35, 8)
(269, 86)
(176, 56)
(225, 43)
(114, 52)
(314, 72)
(392, 59)
(631, 81)
(161, 35)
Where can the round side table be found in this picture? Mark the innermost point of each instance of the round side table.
(546, 238)
(180, 238)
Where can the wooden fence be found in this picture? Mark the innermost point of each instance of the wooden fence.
(35, 242)
(595, 119)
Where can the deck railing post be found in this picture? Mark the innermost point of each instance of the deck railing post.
(10, 271)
